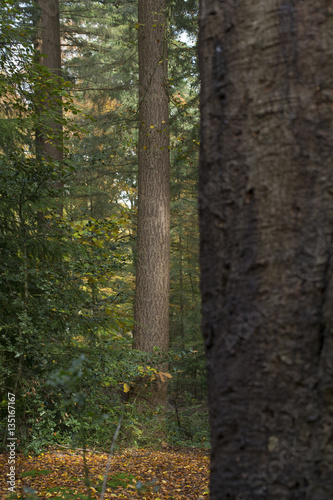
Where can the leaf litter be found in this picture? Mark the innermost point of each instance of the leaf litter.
(134, 474)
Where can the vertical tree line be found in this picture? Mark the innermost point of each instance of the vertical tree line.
(151, 313)
(48, 54)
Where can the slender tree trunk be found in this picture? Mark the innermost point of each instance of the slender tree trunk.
(151, 314)
(181, 286)
(48, 45)
(266, 216)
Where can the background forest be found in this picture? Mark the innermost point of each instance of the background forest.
(68, 225)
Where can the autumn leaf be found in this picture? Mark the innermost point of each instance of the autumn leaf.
(164, 375)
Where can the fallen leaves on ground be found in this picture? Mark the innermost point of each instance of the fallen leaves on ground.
(133, 474)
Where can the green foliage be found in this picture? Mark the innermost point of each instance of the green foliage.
(122, 479)
(57, 297)
(103, 64)
(67, 233)
(82, 400)
(35, 472)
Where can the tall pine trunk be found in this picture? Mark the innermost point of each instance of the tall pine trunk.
(151, 315)
(49, 131)
(266, 215)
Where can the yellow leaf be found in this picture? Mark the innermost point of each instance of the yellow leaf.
(164, 375)
(152, 126)
(126, 387)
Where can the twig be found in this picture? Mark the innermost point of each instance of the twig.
(110, 456)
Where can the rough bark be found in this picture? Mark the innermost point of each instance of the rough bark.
(153, 237)
(151, 311)
(48, 45)
(266, 216)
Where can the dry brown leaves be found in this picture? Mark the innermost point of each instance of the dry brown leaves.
(164, 475)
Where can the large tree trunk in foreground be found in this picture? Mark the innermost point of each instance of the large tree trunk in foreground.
(151, 315)
(49, 132)
(266, 211)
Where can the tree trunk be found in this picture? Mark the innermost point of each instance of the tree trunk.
(48, 45)
(266, 216)
(151, 314)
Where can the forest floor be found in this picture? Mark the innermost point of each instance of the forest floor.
(133, 474)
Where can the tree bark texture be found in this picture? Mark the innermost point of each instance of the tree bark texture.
(266, 217)
(49, 46)
(151, 315)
